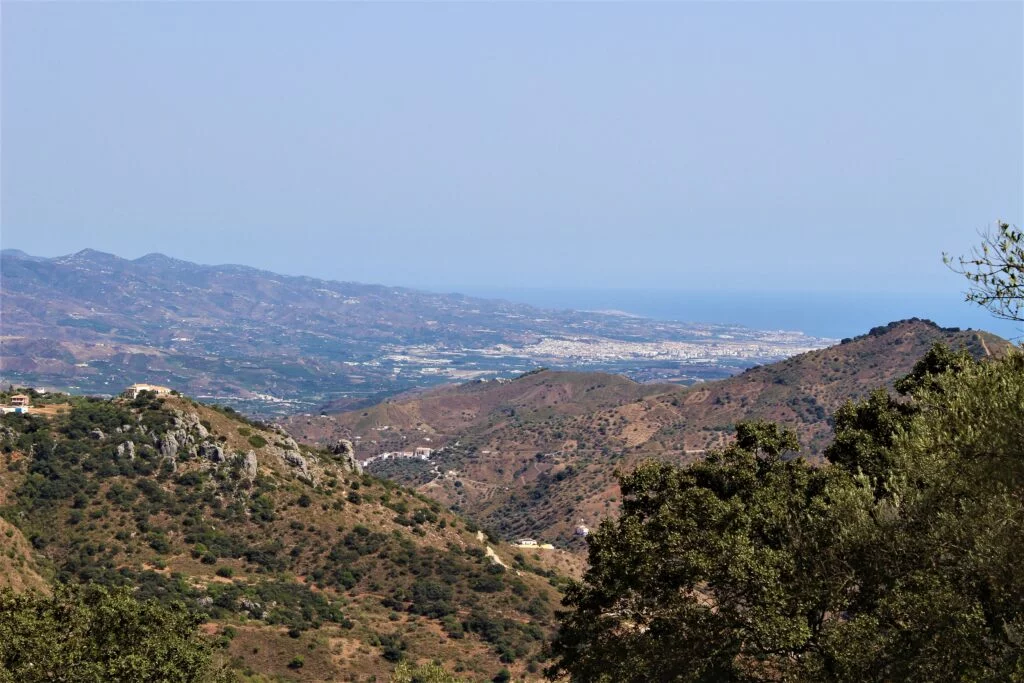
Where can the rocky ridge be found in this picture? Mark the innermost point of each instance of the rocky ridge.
(288, 550)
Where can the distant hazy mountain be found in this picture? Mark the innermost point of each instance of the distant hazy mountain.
(535, 455)
(94, 322)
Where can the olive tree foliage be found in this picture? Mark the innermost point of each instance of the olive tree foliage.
(711, 572)
(995, 270)
(940, 593)
(89, 634)
(867, 431)
(424, 673)
(895, 561)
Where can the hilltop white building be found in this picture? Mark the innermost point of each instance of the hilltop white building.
(134, 390)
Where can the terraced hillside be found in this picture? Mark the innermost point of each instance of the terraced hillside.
(537, 455)
(305, 568)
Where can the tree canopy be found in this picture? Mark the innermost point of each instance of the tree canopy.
(425, 673)
(893, 561)
(88, 634)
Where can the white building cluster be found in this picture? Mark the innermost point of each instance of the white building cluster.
(420, 453)
(598, 350)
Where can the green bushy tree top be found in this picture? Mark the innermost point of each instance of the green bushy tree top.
(90, 634)
(896, 561)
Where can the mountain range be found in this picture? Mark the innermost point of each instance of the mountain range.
(536, 456)
(313, 557)
(92, 322)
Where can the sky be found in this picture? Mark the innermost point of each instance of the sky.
(768, 146)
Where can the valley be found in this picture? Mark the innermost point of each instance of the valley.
(341, 477)
(441, 524)
(536, 456)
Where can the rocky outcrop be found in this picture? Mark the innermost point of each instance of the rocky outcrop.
(254, 609)
(97, 434)
(190, 422)
(7, 434)
(126, 449)
(287, 449)
(345, 452)
(169, 446)
(296, 460)
(186, 436)
(343, 448)
(250, 466)
(212, 452)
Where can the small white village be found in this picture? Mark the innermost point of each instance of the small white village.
(419, 453)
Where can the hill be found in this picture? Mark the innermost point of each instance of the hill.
(276, 344)
(18, 569)
(535, 456)
(305, 568)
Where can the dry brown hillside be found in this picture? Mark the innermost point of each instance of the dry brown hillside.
(432, 417)
(18, 569)
(305, 568)
(535, 456)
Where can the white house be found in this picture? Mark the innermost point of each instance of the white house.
(134, 390)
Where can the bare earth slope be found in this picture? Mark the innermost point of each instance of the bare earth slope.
(535, 457)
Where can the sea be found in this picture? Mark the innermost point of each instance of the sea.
(835, 315)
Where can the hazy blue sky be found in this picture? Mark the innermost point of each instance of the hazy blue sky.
(774, 146)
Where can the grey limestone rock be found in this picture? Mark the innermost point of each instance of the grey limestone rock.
(346, 453)
(254, 609)
(190, 422)
(169, 446)
(211, 452)
(250, 466)
(126, 449)
(295, 459)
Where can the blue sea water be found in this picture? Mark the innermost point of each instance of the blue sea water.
(823, 314)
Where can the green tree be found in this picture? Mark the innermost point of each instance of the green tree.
(711, 572)
(867, 431)
(940, 587)
(897, 561)
(425, 673)
(89, 634)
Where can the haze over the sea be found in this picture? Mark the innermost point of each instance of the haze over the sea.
(818, 313)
